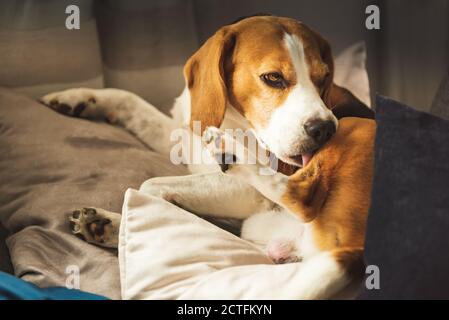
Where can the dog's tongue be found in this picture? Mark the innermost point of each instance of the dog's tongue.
(306, 158)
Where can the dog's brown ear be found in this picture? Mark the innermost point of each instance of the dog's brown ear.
(344, 104)
(340, 100)
(205, 78)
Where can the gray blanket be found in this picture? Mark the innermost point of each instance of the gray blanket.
(51, 164)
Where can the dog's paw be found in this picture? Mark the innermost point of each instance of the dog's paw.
(94, 225)
(78, 102)
(221, 147)
(283, 251)
(212, 136)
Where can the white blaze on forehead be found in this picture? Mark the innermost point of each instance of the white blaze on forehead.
(285, 134)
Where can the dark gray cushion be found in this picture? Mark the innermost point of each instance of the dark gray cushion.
(408, 224)
(35, 31)
(51, 164)
(440, 105)
(5, 260)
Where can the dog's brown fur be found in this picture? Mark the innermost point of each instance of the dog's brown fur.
(333, 191)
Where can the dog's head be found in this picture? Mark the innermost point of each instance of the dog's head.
(278, 74)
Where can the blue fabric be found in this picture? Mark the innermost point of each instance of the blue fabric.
(12, 288)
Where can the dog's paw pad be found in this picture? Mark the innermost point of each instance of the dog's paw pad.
(65, 108)
(86, 222)
(72, 102)
(282, 251)
(98, 229)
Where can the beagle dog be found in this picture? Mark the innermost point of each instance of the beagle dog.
(319, 213)
(272, 76)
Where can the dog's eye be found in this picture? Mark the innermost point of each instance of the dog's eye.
(274, 79)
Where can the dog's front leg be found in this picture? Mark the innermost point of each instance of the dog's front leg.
(118, 107)
(272, 186)
(245, 165)
(210, 194)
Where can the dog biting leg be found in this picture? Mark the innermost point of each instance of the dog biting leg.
(288, 192)
(269, 183)
(117, 107)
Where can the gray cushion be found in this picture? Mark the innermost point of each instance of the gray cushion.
(5, 260)
(145, 45)
(39, 54)
(408, 223)
(440, 105)
(51, 164)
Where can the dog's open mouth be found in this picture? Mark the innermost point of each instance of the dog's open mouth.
(303, 159)
(293, 163)
(300, 161)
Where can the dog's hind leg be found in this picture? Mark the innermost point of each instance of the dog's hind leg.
(96, 226)
(117, 107)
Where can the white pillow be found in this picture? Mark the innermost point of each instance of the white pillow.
(350, 72)
(166, 252)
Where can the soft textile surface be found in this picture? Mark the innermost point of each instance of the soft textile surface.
(350, 71)
(51, 164)
(39, 54)
(12, 288)
(145, 45)
(5, 260)
(407, 233)
(166, 252)
(440, 105)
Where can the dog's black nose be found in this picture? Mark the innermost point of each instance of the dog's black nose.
(320, 131)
